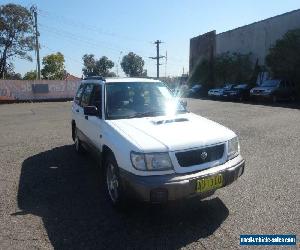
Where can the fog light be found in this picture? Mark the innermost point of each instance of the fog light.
(159, 195)
(241, 171)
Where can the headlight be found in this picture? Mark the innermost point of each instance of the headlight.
(151, 162)
(233, 148)
(268, 91)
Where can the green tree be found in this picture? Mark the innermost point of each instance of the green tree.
(111, 74)
(201, 73)
(13, 76)
(132, 65)
(234, 68)
(54, 67)
(16, 34)
(10, 73)
(94, 67)
(30, 75)
(284, 57)
(226, 67)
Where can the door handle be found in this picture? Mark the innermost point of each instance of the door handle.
(77, 110)
(86, 117)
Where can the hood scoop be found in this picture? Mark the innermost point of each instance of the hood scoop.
(159, 122)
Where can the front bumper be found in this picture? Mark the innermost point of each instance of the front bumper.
(164, 188)
(261, 95)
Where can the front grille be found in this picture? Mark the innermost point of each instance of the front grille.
(193, 157)
(257, 91)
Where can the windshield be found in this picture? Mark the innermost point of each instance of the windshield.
(196, 87)
(270, 83)
(228, 86)
(241, 86)
(140, 99)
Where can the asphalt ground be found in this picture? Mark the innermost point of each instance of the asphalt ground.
(50, 197)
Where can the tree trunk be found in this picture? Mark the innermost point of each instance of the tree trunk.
(3, 63)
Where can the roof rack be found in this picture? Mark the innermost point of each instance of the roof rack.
(94, 78)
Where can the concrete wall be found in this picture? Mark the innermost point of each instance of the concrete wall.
(22, 90)
(202, 47)
(257, 37)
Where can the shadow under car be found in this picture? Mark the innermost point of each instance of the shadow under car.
(66, 191)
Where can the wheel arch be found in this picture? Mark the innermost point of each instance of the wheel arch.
(73, 129)
(106, 151)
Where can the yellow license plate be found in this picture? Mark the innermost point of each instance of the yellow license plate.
(209, 183)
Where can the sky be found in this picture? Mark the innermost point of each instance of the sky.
(114, 28)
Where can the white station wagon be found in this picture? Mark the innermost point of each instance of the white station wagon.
(151, 147)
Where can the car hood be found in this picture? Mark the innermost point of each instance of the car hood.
(264, 88)
(231, 91)
(179, 132)
(216, 90)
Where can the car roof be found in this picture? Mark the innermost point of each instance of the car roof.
(118, 80)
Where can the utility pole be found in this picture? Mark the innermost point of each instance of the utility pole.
(157, 42)
(119, 63)
(166, 64)
(37, 47)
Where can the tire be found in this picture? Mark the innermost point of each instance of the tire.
(77, 143)
(292, 98)
(113, 187)
(274, 98)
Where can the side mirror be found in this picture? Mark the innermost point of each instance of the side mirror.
(91, 111)
(183, 103)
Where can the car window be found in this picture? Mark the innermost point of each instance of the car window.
(128, 100)
(79, 94)
(270, 83)
(85, 99)
(228, 86)
(96, 97)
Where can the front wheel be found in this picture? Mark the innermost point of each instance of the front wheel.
(113, 184)
(77, 143)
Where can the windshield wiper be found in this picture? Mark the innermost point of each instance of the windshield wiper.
(153, 113)
(147, 113)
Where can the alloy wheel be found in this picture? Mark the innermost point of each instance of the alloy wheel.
(112, 183)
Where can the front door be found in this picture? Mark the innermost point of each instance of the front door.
(84, 119)
(94, 124)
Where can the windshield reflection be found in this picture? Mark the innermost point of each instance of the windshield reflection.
(140, 99)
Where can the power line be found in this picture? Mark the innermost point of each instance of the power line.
(92, 42)
(84, 26)
(71, 58)
(95, 43)
(93, 28)
(75, 37)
